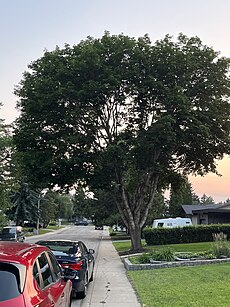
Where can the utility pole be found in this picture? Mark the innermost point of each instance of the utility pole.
(39, 201)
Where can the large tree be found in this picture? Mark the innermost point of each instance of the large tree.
(127, 112)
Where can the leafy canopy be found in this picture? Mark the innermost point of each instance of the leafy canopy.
(124, 114)
(142, 106)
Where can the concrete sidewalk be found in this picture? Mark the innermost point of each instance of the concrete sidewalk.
(111, 287)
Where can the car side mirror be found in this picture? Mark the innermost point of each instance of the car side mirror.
(91, 251)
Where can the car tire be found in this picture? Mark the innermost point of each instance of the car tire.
(82, 294)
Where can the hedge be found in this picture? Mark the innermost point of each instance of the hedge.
(188, 234)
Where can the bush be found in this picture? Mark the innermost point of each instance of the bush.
(165, 254)
(220, 247)
(144, 258)
(188, 234)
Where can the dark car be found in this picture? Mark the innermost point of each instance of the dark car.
(12, 233)
(74, 255)
(30, 276)
(81, 223)
(99, 226)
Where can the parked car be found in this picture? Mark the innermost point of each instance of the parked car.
(119, 228)
(32, 224)
(99, 226)
(31, 276)
(12, 233)
(76, 256)
(81, 223)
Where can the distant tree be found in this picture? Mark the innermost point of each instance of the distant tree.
(195, 199)
(206, 200)
(101, 207)
(81, 204)
(65, 206)
(48, 208)
(54, 206)
(104, 208)
(180, 194)
(159, 210)
(5, 164)
(24, 204)
(127, 112)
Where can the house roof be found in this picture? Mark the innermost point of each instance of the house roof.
(191, 209)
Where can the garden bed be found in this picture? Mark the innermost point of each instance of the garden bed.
(170, 264)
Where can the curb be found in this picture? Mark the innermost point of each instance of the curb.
(161, 265)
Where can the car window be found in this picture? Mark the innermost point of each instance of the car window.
(83, 248)
(36, 274)
(56, 268)
(45, 270)
(8, 230)
(9, 281)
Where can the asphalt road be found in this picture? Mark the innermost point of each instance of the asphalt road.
(87, 234)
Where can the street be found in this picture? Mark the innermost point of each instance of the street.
(87, 234)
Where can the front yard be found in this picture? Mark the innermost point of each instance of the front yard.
(198, 286)
(206, 285)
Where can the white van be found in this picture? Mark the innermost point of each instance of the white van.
(172, 222)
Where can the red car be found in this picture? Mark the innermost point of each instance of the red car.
(30, 276)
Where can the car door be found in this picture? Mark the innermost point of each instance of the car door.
(88, 258)
(43, 278)
(51, 286)
(61, 290)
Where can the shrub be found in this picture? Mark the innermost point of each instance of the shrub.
(165, 254)
(144, 258)
(189, 234)
(220, 247)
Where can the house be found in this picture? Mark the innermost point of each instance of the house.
(207, 214)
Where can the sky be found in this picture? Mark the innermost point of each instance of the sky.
(28, 27)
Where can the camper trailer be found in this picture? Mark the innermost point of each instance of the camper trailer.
(172, 222)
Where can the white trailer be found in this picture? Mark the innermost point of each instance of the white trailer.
(172, 222)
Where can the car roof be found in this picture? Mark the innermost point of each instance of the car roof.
(56, 242)
(17, 252)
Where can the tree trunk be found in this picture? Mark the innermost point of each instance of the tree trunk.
(134, 208)
(135, 234)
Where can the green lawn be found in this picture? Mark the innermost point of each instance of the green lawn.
(41, 230)
(198, 286)
(122, 246)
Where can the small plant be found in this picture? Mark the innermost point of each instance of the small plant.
(220, 247)
(183, 255)
(144, 258)
(165, 254)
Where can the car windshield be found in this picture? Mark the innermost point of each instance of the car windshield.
(61, 247)
(9, 281)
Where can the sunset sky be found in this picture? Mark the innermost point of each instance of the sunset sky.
(29, 27)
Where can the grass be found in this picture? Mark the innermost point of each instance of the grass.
(196, 286)
(54, 227)
(206, 285)
(41, 230)
(123, 246)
